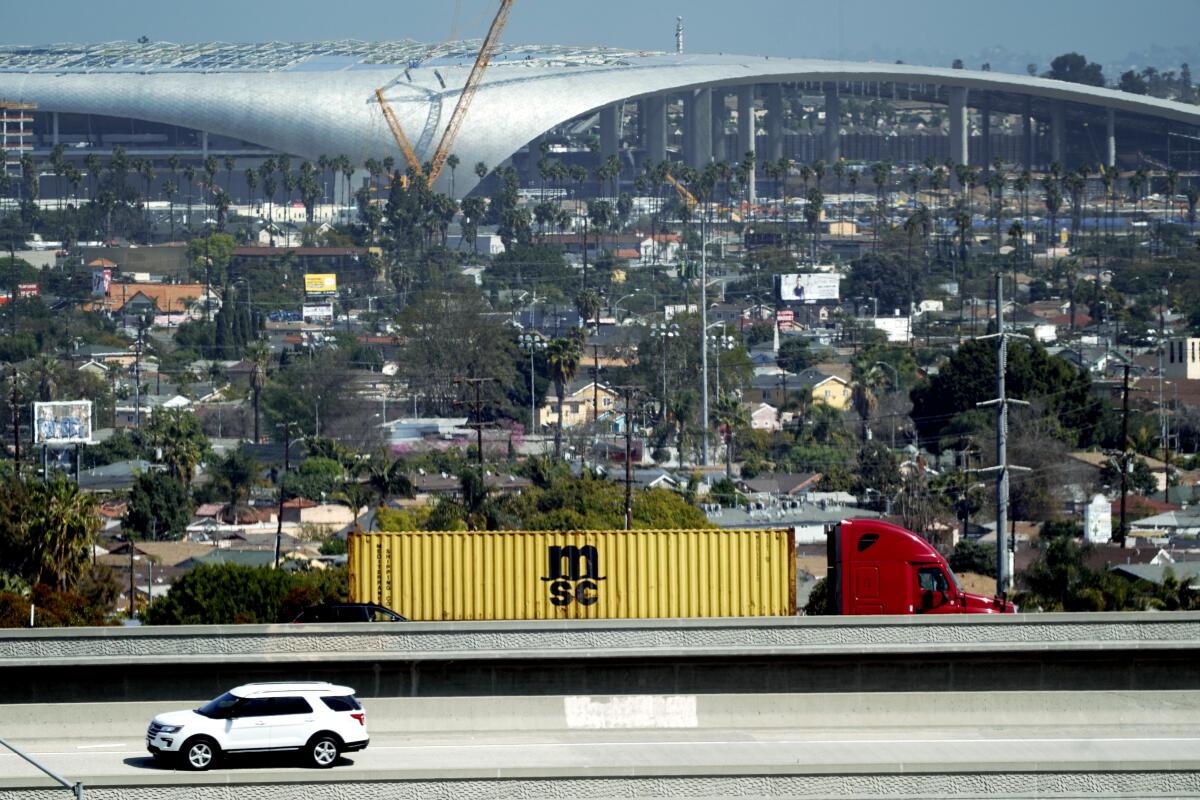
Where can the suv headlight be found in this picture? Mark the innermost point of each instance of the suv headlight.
(170, 729)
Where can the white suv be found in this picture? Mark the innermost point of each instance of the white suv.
(320, 720)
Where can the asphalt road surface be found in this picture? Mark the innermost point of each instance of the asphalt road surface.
(643, 751)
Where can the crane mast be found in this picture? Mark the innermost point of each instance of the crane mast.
(474, 79)
(468, 93)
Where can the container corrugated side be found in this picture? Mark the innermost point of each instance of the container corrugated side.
(608, 574)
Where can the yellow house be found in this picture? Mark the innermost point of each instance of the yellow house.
(830, 390)
(577, 404)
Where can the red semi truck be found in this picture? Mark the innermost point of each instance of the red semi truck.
(879, 568)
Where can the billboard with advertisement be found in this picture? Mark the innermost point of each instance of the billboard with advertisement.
(809, 287)
(62, 422)
(316, 311)
(324, 283)
(24, 290)
(101, 282)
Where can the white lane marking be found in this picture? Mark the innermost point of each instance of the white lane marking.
(97, 746)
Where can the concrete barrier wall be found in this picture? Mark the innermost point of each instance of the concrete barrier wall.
(34, 722)
(1153, 651)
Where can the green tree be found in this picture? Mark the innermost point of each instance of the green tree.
(1075, 68)
(878, 473)
(223, 594)
(159, 507)
(235, 475)
(47, 530)
(795, 355)
(179, 443)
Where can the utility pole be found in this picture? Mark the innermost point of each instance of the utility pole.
(703, 321)
(137, 379)
(1124, 451)
(1002, 468)
(15, 403)
(287, 428)
(629, 393)
(476, 407)
(595, 382)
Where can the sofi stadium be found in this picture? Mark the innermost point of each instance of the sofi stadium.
(252, 100)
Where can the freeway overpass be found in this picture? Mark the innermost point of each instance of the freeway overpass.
(1045, 705)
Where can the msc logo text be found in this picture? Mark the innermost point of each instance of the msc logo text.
(572, 573)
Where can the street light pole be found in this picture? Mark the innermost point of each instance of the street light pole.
(531, 343)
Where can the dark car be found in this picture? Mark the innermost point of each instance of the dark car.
(348, 612)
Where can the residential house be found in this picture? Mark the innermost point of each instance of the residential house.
(779, 485)
(764, 417)
(831, 390)
(170, 299)
(578, 401)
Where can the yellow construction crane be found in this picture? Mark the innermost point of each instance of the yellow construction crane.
(460, 109)
(688, 198)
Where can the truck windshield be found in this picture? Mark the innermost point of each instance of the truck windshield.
(219, 708)
(954, 579)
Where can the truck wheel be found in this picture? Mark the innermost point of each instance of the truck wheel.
(199, 753)
(322, 750)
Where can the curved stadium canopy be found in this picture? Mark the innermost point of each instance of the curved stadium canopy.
(318, 98)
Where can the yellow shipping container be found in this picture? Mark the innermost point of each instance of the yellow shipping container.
(614, 574)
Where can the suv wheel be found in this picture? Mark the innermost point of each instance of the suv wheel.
(323, 749)
(200, 753)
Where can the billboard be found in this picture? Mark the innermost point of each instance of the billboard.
(101, 282)
(62, 422)
(320, 283)
(310, 311)
(809, 287)
(897, 329)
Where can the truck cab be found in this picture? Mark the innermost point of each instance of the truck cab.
(876, 567)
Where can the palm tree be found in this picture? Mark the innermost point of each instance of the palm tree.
(189, 175)
(588, 304)
(229, 162)
(452, 161)
(1171, 184)
(839, 172)
(732, 417)
(1053, 202)
(259, 356)
(995, 189)
(251, 186)
(812, 215)
(92, 162)
(170, 190)
(62, 526)
(881, 174)
(562, 361)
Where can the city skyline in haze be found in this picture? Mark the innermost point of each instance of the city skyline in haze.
(1008, 36)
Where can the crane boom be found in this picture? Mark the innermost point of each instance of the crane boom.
(468, 93)
(684, 194)
(410, 157)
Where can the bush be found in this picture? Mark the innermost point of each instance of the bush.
(232, 594)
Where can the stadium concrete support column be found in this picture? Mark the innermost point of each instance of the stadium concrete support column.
(719, 113)
(54, 134)
(656, 127)
(610, 130)
(959, 150)
(1110, 138)
(985, 130)
(1058, 132)
(774, 146)
(1027, 131)
(746, 130)
(833, 128)
(698, 128)
(204, 144)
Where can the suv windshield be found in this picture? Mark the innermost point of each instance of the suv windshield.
(219, 708)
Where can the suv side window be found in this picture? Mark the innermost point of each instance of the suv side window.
(351, 614)
(289, 705)
(253, 707)
(379, 615)
(342, 703)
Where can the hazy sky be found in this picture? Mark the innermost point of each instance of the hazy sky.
(915, 30)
